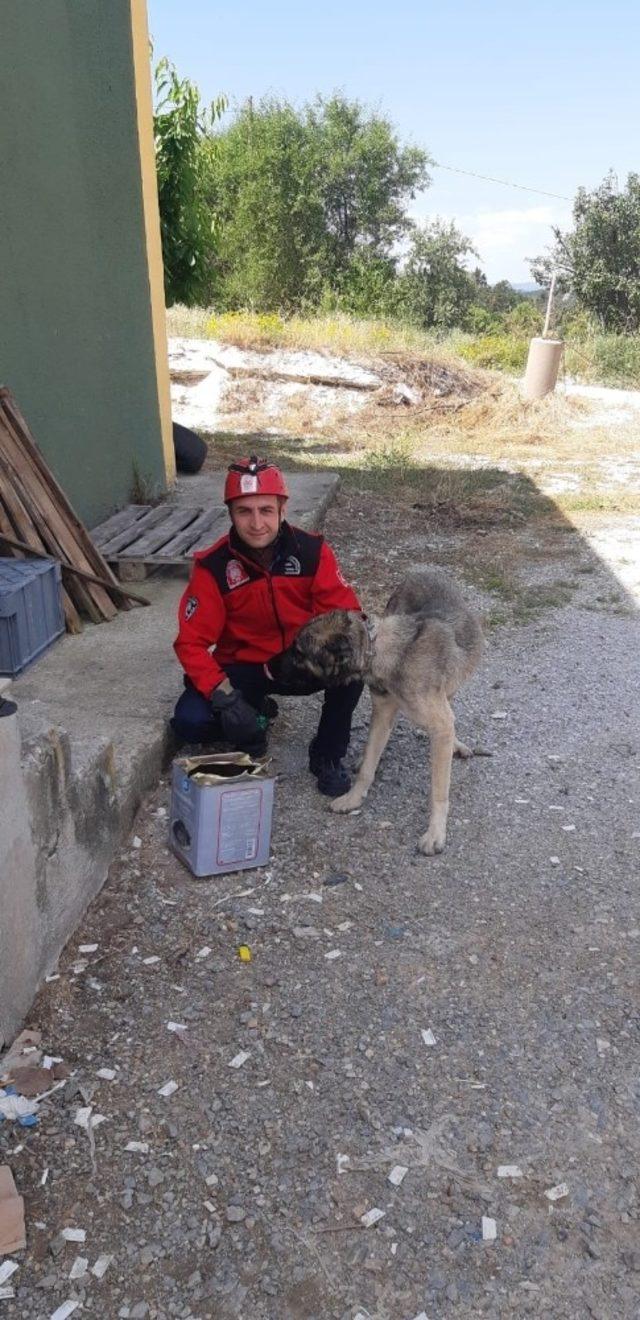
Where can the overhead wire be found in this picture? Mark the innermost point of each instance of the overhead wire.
(506, 183)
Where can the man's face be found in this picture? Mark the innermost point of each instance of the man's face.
(256, 519)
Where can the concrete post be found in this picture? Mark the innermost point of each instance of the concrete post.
(542, 369)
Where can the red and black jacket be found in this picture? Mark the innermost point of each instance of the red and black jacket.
(249, 613)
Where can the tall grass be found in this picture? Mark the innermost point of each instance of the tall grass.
(593, 357)
(339, 333)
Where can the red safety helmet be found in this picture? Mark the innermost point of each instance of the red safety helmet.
(254, 476)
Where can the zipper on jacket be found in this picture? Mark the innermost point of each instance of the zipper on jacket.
(266, 572)
(275, 609)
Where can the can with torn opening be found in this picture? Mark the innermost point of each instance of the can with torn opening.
(221, 812)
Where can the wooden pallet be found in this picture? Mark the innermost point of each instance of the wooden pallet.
(142, 537)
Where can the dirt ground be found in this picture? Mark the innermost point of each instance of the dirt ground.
(516, 949)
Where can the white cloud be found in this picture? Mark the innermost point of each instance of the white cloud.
(505, 239)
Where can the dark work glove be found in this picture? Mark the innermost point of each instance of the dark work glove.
(240, 723)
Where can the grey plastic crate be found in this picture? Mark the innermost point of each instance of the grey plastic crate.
(31, 614)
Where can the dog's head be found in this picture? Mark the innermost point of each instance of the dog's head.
(329, 651)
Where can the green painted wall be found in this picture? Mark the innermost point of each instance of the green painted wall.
(76, 338)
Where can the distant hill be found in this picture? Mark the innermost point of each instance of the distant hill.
(527, 288)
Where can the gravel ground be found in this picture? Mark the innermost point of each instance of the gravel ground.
(516, 949)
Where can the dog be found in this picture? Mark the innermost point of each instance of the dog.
(427, 643)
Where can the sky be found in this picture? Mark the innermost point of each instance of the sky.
(545, 95)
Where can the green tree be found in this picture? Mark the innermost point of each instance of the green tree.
(599, 260)
(435, 287)
(310, 202)
(181, 124)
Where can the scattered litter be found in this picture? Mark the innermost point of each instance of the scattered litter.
(73, 1234)
(6, 1293)
(356, 885)
(338, 879)
(85, 1119)
(63, 1312)
(107, 1074)
(177, 1027)
(244, 953)
(6, 1270)
(79, 1268)
(50, 1060)
(168, 1089)
(24, 1051)
(602, 1046)
(509, 1171)
(428, 1037)
(489, 1231)
(499, 715)
(45, 1175)
(522, 802)
(101, 1266)
(87, 948)
(342, 1161)
(372, 1217)
(345, 925)
(558, 1192)
(17, 1107)
(398, 1174)
(555, 861)
(149, 962)
(333, 953)
(141, 1147)
(568, 828)
(54, 977)
(556, 808)
(12, 1215)
(203, 953)
(255, 912)
(212, 1180)
(314, 896)
(136, 841)
(240, 1058)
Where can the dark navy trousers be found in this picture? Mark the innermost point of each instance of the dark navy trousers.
(195, 722)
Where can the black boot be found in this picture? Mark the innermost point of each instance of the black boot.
(333, 780)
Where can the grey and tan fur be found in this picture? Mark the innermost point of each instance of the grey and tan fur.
(426, 645)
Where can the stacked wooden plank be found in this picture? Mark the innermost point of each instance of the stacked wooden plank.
(36, 515)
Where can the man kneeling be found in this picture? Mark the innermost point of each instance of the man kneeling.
(248, 596)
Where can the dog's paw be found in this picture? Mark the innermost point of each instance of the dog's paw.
(432, 842)
(349, 802)
(461, 750)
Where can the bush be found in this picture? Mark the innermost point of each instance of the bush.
(525, 320)
(247, 329)
(500, 352)
(479, 321)
(605, 359)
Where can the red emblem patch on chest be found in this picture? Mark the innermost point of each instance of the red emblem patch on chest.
(236, 574)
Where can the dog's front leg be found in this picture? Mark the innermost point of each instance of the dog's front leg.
(438, 719)
(383, 718)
